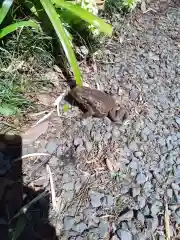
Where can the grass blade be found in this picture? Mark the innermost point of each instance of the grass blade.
(86, 16)
(4, 9)
(15, 26)
(57, 24)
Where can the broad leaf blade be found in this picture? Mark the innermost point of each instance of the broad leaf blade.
(15, 26)
(4, 9)
(64, 39)
(86, 16)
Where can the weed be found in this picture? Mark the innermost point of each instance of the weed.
(120, 6)
(24, 57)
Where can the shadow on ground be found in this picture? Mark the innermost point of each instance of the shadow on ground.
(23, 211)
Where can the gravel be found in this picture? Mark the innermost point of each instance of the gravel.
(124, 235)
(144, 79)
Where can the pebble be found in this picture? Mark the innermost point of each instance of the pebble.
(115, 132)
(140, 218)
(155, 208)
(68, 222)
(80, 227)
(109, 200)
(88, 146)
(133, 146)
(68, 186)
(141, 178)
(169, 192)
(51, 146)
(138, 154)
(177, 119)
(126, 216)
(124, 234)
(135, 191)
(103, 228)
(141, 202)
(152, 223)
(68, 196)
(78, 141)
(133, 165)
(96, 198)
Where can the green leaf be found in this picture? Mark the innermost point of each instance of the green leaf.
(64, 39)
(86, 16)
(65, 107)
(14, 26)
(7, 110)
(4, 9)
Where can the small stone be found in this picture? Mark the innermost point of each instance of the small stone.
(178, 212)
(66, 178)
(175, 186)
(126, 216)
(169, 192)
(80, 227)
(124, 234)
(177, 119)
(78, 141)
(140, 218)
(141, 202)
(133, 94)
(54, 161)
(68, 196)
(162, 141)
(115, 237)
(138, 154)
(133, 165)
(96, 199)
(124, 189)
(51, 147)
(77, 186)
(152, 224)
(109, 200)
(89, 213)
(80, 148)
(148, 188)
(115, 132)
(107, 136)
(133, 146)
(155, 208)
(146, 211)
(88, 146)
(141, 178)
(103, 228)
(68, 222)
(68, 186)
(135, 191)
(93, 235)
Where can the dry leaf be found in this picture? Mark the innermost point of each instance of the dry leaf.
(45, 99)
(34, 132)
(143, 6)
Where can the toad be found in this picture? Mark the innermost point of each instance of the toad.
(97, 103)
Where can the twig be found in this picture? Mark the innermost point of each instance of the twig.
(53, 194)
(31, 155)
(166, 221)
(27, 206)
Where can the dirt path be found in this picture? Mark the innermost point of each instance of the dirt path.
(143, 74)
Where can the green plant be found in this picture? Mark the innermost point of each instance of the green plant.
(51, 7)
(112, 6)
(12, 100)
